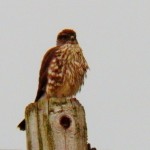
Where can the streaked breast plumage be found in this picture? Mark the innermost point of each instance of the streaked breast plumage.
(66, 71)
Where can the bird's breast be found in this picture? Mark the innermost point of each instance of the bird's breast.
(66, 71)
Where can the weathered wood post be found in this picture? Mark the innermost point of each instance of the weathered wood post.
(56, 124)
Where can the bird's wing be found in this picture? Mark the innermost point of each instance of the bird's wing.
(50, 54)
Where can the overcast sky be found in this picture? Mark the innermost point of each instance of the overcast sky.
(115, 38)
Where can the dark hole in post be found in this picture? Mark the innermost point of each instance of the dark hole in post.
(65, 122)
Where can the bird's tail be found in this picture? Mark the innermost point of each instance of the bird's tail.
(22, 125)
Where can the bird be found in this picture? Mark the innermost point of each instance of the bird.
(63, 69)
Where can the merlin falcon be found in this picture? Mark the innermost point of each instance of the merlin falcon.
(63, 69)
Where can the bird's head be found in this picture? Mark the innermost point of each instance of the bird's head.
(66, 36)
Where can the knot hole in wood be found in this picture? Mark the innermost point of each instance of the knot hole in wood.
(65, 122)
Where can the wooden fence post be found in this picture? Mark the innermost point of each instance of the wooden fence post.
(56, 124)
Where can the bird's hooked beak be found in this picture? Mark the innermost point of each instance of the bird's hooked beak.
(72, 38)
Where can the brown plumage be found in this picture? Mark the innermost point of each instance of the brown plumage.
(63, 69)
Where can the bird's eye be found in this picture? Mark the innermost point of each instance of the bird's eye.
(63, 37)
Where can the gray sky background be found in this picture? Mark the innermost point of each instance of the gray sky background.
(115, 38)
